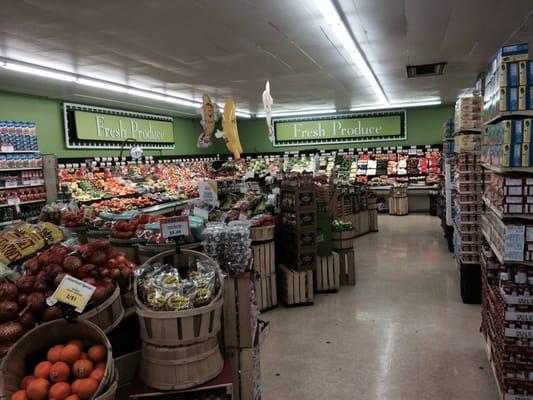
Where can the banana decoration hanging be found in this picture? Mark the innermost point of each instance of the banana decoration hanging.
(267, 105)
(229, 132)
(209, 111)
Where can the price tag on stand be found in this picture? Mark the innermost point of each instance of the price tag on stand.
(73, 292)
(175, 226)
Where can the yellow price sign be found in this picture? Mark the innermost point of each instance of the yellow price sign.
(74, 292)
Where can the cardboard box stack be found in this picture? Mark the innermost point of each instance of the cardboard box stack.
(468, 113)
(507, 256)
(509, 82)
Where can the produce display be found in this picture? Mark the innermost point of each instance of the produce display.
(171, 288)
(24, 240)
(229, 244)
(71, 370)
(23, 300)
(339, 225)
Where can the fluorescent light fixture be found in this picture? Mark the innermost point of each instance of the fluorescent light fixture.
(330, 13)
(44, 72)
(398, 105)
(102, 85)
(296, 113)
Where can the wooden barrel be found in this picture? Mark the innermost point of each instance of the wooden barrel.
(175, 368)
(108, 314)
(343, 239)
(13, 367)
(147, 251)
(93, 235)
(179, 328)
(262, 233)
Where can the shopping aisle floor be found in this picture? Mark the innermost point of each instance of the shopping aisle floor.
(401, 333)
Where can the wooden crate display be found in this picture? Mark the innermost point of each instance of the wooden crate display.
(246, 373)
(266, 290)
(373, 220)
(327, 273)
(343, 239)
(398, 205)
(364, 222)
(347, 266)
(239, 328)
(264, 256)
(295, 288)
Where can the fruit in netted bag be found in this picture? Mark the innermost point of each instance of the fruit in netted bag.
(36, 302)
(25, 283)
(11, 331)
(28, 320)
(72, 263)
(8, 291)
(59, 372)
(51, 313)
(8, 310)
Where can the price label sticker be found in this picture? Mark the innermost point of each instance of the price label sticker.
(11, 183)
(7, 148)
(200, 212)
(13, 201)
(175, 226)
(36, 181)
(73, 292)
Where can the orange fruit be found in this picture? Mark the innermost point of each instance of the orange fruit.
(84, 356)
(97, 353)
(42, 370)
(82, 368)
(100, 365)
(73, 397)
(24, 382)
(59, 372)
(97, 374)
(79, 343)
(70, 353)
(59, 391)
(75, 387)
(38, 389)
(54, 353)
(86, 388)
(19, 395)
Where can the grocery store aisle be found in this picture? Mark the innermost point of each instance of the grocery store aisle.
(401, 333)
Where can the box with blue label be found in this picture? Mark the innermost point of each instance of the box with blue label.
(509, 74)
(526, 155)
(514, 52)
(516, 155)
(526, 72)
(525, 101)
(509, 99)
(527, 130)
(512, 131)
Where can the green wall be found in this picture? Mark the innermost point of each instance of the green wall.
(424, 126)
(48, 115)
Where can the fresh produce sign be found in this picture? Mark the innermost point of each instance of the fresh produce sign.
(345, 128)
(97, 127)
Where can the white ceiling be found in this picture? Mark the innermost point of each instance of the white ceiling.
(231, 47)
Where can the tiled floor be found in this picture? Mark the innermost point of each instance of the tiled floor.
(401, 333)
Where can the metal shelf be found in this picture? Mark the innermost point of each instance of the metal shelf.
(20, 152)
(508, 114)
(20, 169)
(499, 255)
(23, 202)
(507, 170)
(471, 130)
(21, 186)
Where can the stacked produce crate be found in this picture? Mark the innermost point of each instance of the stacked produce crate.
(264, 266)
(297, 240)
(467, 202)
(398, 200)
(507, 223)
(449, 183)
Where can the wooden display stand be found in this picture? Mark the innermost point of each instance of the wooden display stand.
(239, 331)
(327, 274)
(295, 288)
(347, 266)
(398, 206)
(264, 255)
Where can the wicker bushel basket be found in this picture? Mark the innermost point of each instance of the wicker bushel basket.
(262, 233)
(179, 328)
(147, 251)
(175, 368)
(111, 391)
(108, 314)
(13, 367)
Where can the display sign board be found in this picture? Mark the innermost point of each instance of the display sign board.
(342, 128)
(175, 226)
(73, 292)
(208, 192)
(98, 127)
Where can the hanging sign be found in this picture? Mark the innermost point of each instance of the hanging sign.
(345, 128)
(98, 127)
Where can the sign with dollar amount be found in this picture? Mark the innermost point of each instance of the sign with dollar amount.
(74, 292)
(175, 226)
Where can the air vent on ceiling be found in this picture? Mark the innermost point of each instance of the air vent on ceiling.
(415, 71)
